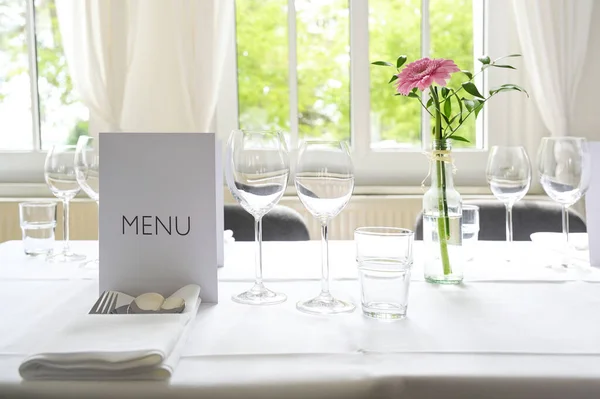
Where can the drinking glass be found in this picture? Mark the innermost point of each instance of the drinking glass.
(470, 230)
(87, 172)
(564, 166)
(38, 222)
(324, 183)
(87, 166)
(509, 175)
(384, 258)
(59, 173)
(257, 170)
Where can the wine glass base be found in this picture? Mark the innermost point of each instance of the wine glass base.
(65, 257)
(259, 295)
(325, 305)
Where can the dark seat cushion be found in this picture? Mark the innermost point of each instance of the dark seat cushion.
(280, 224)
(528, 217)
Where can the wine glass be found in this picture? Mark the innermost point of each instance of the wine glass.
(509, 175)
(324, 183)
(257, 170)
(87, 166)
(565, 166)
(87, 172)
(59, 173)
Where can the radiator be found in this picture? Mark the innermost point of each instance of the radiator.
(362, 210)
(399, 211)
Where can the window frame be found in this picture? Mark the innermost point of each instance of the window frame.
(377, 171)
(398, 167)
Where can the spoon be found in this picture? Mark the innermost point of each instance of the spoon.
(155, 304)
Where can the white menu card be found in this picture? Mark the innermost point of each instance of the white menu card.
(592, 205)
(160, 217)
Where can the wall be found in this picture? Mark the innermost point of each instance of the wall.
(587, 115)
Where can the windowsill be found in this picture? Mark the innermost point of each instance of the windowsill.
(12, 191)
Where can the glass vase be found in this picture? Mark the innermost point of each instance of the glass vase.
(442, 220)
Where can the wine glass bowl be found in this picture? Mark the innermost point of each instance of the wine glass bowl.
(564, 166)
(324, 182)
(60, 176)
(257, 170)
(508, 172)
(87, 166)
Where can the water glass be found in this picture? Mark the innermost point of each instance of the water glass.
(470, 230)
(38, 222)
(384, 258)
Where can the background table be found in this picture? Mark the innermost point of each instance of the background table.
(511, 331)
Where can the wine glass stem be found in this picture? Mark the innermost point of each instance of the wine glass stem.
(66, 246)
(565, 223)
(258, 255)
(509, 226)
(325, 277)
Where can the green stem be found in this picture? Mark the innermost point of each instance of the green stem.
(443, 220)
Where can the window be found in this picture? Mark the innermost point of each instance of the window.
(294, 64)
(38, 105)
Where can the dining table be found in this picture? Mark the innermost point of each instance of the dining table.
(518, 326)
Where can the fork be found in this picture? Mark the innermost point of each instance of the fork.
(105, 304)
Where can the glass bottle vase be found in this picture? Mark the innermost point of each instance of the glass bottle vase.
(442, 220)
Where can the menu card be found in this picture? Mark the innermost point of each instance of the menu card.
(592, 205)
(160, 216)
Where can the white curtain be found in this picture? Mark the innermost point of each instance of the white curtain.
(554, 40)
(97, 48)
(147, 65)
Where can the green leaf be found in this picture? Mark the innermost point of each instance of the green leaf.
(469, 74)
(469, 104)
(448, 107)
(400, 61)
(508, 87)
(484, 59)
(447, 120)
(429, 102)
(507, 56)
(393, 78)
(454, 118)
(471, 89)
(382, 63)
(445, 92)
(460, 107)
(503, 66)
(412, 95)
(459, 138)
(478, 107)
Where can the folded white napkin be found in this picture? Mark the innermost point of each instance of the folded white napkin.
(116, 347)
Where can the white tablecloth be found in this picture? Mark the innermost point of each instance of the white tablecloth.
(511, 331)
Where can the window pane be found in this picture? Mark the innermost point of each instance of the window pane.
(451, 24)
(15, 91)
(394, 29)
(323, 54)
(63, 118)
(262, 61)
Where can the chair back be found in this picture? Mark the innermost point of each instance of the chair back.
(528, 217)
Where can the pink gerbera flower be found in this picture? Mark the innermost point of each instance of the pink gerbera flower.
(424, 72)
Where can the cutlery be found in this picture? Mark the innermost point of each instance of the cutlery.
(105, 304)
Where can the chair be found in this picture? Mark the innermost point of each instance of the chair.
(528, 217)
(280, 224)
